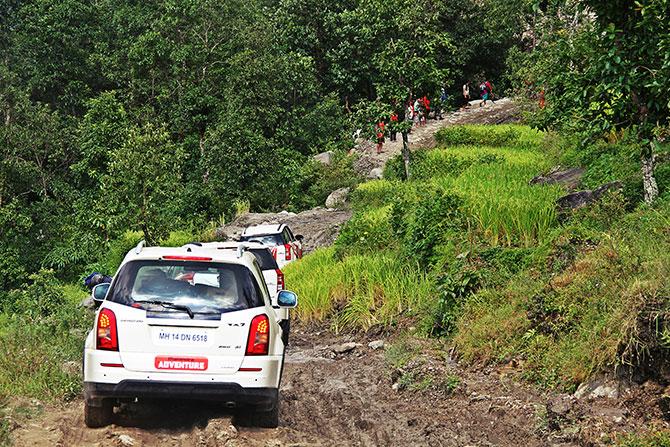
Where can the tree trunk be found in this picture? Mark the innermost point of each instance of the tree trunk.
(405, 154)
(648, 179)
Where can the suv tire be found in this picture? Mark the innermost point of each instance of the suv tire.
(101, 416)
(255, 418)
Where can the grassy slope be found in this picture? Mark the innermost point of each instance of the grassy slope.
(497, 271)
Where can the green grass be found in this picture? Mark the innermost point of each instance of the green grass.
(658, 439)
(587, 318)
(358, 292)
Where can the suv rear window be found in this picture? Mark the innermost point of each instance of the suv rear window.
(204, 287)
(264, 258)
(265, 239)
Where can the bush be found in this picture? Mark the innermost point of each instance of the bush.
(366, 232)
(319, 180)
(360, 291)
(478, 135)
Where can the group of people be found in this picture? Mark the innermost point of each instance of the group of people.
(485, 92)
(416, 111)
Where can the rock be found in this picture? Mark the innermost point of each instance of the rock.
(376, 173)
(570, 178)
(325, 158)
(605, 390)
(582, 390)
(126, 441)
(559, 406)
(580, 199)
(87, 302)
(337, 198)
(395, 386)
(377, 344)
(71, 368)
(345, 347)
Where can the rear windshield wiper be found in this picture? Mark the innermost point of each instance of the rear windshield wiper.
(169, 305)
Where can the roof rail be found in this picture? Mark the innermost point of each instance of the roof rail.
(279, 227)
(140, 246)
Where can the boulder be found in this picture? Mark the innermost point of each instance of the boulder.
(570, 178)
(376, 173)
(337, 198)
(580, 199)
(345, 347)
(325, 158)
(376, 344)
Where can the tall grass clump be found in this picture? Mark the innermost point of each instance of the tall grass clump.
(504, 135)
(608, 309)
(358, 292)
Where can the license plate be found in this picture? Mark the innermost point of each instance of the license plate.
(181, 363)
(179, 336)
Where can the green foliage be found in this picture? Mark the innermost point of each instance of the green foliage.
(495, 136)
(453, 289)
(366, 232)
(42, 330)
(358, 292)
(318, 180)
(654, 439)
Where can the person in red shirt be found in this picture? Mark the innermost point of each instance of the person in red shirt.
(426, 105)
(393, 126)
(380, 129)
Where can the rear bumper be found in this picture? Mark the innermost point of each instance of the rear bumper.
(262, 398)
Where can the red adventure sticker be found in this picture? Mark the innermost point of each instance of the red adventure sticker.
(181, 363)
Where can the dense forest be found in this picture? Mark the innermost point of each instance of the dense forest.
(156, 116)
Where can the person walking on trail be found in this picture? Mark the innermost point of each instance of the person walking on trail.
(426, 106)
(443, 104)
(466, 92)
(484, 93)
(417, 112)
(393, 126)
(489, 88)
(380, 130)
(409, 113)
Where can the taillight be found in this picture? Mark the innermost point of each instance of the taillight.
(107, 338)
(287, 252)
(280, 280)
(259, 336)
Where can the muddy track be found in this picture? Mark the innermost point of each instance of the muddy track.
(353, 398)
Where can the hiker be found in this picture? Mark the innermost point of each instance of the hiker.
(417, 112)
(393, 126)
(489, 88)
(484, 93)
(426, 106)
(380, 129)
(466, 92)
(443, 104)
(409, 113)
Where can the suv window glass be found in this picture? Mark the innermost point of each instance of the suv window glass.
(290, 234)
(265, 239)
(265, 259)
(204, 287)
(286, 236)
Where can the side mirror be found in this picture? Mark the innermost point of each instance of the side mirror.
(299, 237)
(99, 292)
(287, 299)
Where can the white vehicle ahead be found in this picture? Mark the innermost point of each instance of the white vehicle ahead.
(284, 245)
(186, 322)
(274, 277)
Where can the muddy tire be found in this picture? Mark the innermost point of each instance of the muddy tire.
(96, 417)
(255, 418)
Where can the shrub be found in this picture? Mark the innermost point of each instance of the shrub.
(477, 135)
(366, 232)
(319, 180)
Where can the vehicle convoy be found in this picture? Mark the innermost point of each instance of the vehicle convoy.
(284, 245)
(190, 322)
(274, 277)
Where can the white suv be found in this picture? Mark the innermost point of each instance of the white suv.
(285, 246)
(186, 322)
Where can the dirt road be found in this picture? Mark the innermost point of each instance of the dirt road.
(338, 391)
